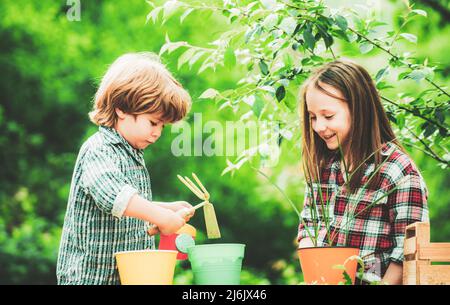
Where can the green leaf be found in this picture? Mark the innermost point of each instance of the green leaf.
(417, 75)
(410, 37)
(209, 93)
(196, 57)
(429, 130)
(250, 32)
(280, 93)
(185, 57)
(169, 9)
(317, 59)
(375, 23)
(403, 75)
(381, 73)
(348, 279)
(258, 106)
(439, 116)
(171, 46)
(230, 58)
(401, 121)
(290, 101)
(154, 14)
(269, 4)
(418, 12)
(383, 85)
(288, 25)
(263, 67)
(365, 47)
(341, 34)
(391, 117)
(328, 39)
(309, 38)
(352, 37)
(323, 31)
(270, 21)
(444, 133)
(185, 14)
(341, 22)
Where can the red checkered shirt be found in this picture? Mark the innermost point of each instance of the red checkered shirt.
(376, 229)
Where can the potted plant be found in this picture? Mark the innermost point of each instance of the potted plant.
(335, 261)
(325, 261)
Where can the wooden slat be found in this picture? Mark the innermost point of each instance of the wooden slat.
(410, 230)
(410, 246)
(437, 252)
(409, 273)
(434, 275)
(422, 233)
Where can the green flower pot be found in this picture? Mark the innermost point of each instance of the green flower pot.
(216, 264)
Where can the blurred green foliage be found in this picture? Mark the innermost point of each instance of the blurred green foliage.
(50, 68)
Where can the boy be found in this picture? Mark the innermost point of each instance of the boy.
(110, 204)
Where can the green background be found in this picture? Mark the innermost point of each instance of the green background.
(50, 68)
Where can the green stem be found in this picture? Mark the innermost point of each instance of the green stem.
(396, 58)
(415, 114)
(290, 202)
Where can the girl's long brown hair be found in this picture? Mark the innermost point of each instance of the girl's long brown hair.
(370, 127)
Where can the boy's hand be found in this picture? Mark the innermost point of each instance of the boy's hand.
(184, 213)
(184, 206)
(172, 222)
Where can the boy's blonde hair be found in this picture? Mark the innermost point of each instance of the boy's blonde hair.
(138, 83)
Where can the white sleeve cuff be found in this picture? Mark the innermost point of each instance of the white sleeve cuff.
(122, 199)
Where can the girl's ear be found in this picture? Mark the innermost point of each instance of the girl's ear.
(120, 113)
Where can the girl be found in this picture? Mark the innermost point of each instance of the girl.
(340, 106)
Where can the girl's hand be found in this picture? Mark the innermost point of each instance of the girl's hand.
(305, 243)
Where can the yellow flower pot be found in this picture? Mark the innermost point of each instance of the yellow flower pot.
(146, 267)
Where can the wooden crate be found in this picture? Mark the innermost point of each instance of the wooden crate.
(420, 253)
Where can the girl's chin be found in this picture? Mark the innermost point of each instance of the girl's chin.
(332, 146)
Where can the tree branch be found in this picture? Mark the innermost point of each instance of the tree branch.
(427, 148)
(396, 58)
(438, 7)
(414, 113)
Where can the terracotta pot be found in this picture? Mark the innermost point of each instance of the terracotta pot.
(317, 264)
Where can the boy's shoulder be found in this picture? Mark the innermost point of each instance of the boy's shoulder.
(100, 143)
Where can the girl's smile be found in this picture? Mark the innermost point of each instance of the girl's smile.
(329, 114)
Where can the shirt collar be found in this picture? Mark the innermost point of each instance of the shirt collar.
(387, 149)
(112, 136)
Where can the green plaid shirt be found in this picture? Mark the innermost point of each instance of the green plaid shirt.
(108, 172)
(376, 229)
